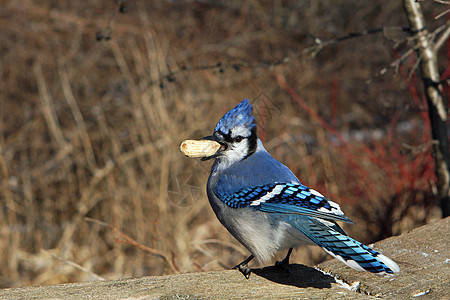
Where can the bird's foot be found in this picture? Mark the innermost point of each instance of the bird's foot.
(244, 269)
(283, 265)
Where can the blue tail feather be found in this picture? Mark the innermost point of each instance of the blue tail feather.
(334, 241)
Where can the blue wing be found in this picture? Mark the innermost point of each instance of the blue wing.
(310, 212)
(286, 198)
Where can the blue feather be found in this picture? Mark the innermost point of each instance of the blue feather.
(242, 175)
(287, 198)
(241, 115)
(290, 209)
(343, 247)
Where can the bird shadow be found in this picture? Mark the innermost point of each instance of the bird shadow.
(298, 275)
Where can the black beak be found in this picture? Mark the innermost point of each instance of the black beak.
(210, 138)
(215, 139)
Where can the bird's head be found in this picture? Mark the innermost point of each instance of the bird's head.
(236, 133)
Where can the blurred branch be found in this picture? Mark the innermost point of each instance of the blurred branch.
(235, 247)
(8, 216)
(311, 51)
(397, 62)
(445, 2)
(443, 38)
(48, 109)
(131, 241)
(88, 198)
(435, 99)
(75, 265)
(314, 50)
(420, 148)
(81, 126)
(311, 112)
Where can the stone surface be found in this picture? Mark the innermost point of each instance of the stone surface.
(422, 255)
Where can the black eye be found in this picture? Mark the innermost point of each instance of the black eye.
(238, 139)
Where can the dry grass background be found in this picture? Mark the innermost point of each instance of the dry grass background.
(91, 128)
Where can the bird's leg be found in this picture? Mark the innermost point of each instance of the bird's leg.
(243, 267)
(285, 262)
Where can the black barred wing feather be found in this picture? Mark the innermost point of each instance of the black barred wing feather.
(286, 198)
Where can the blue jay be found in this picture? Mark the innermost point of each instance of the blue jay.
(266, 208)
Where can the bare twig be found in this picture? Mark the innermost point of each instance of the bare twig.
(397, 62)
(47, 107)
(8, 216)
(443, 38)
(314, 50)
(414, 67)
(226, 244)
(81, 126)
(445, 2)
(75, 265)
(442, 14)
(87, 201)
(311, 51)
(420, 148)
(128, 240)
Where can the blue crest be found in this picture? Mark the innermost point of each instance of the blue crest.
(241, 115)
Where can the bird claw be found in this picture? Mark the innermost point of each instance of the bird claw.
(283, 265)
(244, 269)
